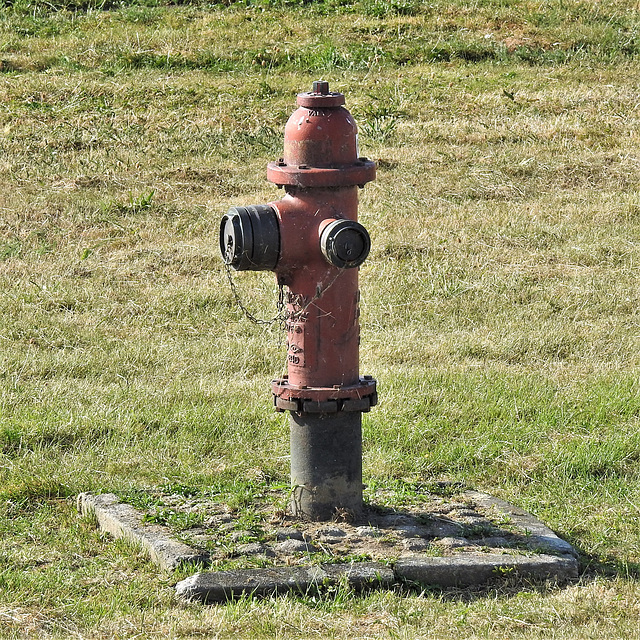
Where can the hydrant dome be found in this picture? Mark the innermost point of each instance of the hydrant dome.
(321, 145)
(320, 138)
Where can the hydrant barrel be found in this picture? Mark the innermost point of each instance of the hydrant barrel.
(326, 465)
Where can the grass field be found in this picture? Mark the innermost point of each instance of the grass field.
(500, 301)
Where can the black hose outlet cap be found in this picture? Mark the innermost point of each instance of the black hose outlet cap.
(250, 238)
(345, 243)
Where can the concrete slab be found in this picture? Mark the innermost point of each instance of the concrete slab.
(473, 569)
(359, 575)
(538, 535)
(218, 586)
(123, 521)
(499, 542)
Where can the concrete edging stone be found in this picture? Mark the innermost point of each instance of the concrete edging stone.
(219, 586)
(124, 521)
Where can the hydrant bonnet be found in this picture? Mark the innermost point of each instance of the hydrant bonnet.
(320, 145)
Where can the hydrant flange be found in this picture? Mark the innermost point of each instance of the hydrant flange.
(305, 176)
(357, 397)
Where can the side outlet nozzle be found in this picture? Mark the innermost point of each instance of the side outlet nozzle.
(250, 238)
(345, 243)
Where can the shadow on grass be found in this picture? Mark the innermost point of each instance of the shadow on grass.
(468, 595)
(593, 566)
(604, 566)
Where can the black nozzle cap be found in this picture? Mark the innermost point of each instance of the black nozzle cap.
(250, 238)
(345, 243)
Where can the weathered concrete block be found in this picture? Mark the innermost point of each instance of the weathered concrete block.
(288, 533)
(359, 575)
(453, 543)
(218, 586)
(123, 521)
(416, 544)
(255, 549)
(411, 531)
(470, 569)
(551, 544)
(294, 546)
(539, 536)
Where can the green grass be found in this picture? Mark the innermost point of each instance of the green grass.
(499, 304)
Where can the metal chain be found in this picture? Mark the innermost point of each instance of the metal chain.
(279, 317)
(282, 315)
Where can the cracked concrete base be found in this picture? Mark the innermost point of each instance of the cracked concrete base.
(436, 547)
(462, 571)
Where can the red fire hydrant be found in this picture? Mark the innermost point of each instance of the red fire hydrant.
(312, 241)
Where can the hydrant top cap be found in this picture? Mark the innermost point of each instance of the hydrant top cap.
(320, 97)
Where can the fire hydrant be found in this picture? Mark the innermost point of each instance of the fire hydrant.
(312, 241)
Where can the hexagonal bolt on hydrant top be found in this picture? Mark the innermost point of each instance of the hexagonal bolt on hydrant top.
(313, 242)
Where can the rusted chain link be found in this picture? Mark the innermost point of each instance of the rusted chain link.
(280, 316)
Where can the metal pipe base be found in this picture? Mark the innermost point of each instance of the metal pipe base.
(326, 464)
